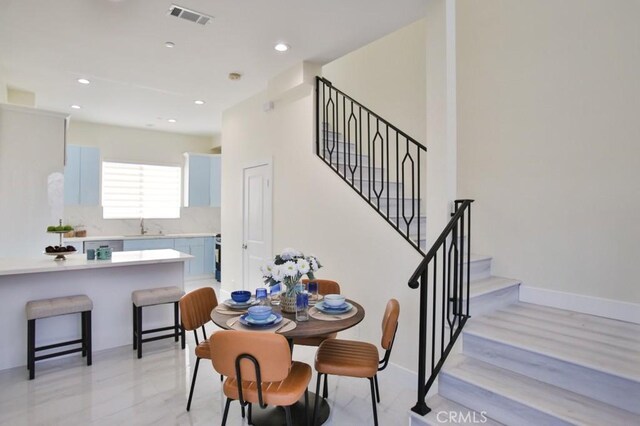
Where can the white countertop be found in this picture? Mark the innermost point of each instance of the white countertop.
(9, 266)
(139, 237)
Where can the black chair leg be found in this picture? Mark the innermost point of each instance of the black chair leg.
(325, 392)
(183, 343)
(373, 402)
(287, 411)
(249, 415)
(89, 345)
(226, 411)
(306, 407)
(242, 410)
(139, 330)
(31, 348)
(193, 383)
(317, 398)
(134, 325)
(176, 322)
(375, 381)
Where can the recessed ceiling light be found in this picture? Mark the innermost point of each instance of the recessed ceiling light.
(281, 47)
(235, 76)
(83, 81)
(75, 106)
(169, 44)
(199, 102)
(172, 120)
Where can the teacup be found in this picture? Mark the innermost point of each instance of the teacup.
(334, 300)
(260, 313)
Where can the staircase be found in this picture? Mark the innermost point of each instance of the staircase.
(379, 161)
(524, 364)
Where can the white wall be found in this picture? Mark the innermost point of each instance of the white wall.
(548, 100)
(144, 146)
(31, 148)
(315, 212)
(388, 76)
(3, 85)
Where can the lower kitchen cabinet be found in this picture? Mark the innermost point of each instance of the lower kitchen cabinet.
(201, 248)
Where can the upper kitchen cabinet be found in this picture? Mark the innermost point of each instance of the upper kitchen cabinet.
(82, 175)
(202, 180)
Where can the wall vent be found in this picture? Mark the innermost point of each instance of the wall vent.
(189, 15)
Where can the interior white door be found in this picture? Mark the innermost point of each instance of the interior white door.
(256, 226)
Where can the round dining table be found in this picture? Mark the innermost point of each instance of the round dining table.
(310, 328)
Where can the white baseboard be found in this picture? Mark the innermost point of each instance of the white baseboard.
(608, 308)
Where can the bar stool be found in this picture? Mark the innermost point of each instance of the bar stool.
(152, 297)
(46, 308)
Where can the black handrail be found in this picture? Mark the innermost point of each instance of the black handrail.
(449, 288)
(368, 169)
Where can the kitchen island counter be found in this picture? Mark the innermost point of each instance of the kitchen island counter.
(41, 264)
(108, 283)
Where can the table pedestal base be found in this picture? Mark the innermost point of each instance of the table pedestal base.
(275, 416)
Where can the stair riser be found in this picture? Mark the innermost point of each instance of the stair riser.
(496, 406)
(617, 391)
(394, 190)
(377, 174)
(339, 152)
(480, 269)
(489, 302)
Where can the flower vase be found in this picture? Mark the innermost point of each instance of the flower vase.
(288, 299)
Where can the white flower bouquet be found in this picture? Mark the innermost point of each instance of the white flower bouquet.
(288, 268)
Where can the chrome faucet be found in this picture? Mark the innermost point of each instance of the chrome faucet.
(142, 230)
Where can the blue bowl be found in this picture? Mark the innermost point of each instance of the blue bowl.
(240, 296)
(260, 313)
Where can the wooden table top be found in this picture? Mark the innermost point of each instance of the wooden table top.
(310, 328)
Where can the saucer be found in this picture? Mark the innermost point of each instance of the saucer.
(272, 320)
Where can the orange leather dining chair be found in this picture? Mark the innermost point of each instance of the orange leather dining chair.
(358, 359)
(259, 370)
(195, 311)
(324, 287)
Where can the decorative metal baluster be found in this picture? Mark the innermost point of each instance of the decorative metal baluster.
(344, 135)
(387, 141)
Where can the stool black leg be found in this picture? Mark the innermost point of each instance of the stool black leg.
(88, 335)
(133, 326)
(31, 347)
(139, 330)
(83, 326)
(176, 321)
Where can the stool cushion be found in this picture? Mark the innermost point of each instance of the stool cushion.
(58, 306)
(156, 296)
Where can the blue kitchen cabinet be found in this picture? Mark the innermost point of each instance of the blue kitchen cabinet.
(195, 247)
(72, 175)
(209, 255)
(82, 175)
(203, 174)
(149, 244)
(214, 181)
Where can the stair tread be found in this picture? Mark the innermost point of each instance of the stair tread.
(560, 403)
(491, 284)
(438, 404)
(564, 340)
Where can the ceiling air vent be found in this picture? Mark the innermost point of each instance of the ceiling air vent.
(189, 15)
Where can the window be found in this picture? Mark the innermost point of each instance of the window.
(132, 191)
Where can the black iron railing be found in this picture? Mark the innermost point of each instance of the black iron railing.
(443, 281)
(379, 161)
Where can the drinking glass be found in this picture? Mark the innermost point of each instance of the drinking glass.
(313, 292)
(275, 294)
(261, 295)
(302, 307)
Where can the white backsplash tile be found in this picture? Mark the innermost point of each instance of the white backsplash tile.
(192, 220)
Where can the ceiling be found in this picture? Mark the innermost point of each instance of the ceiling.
(119, 45)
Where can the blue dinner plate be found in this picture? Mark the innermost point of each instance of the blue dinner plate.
(272, 320)
(240, 305)
(331, 310)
